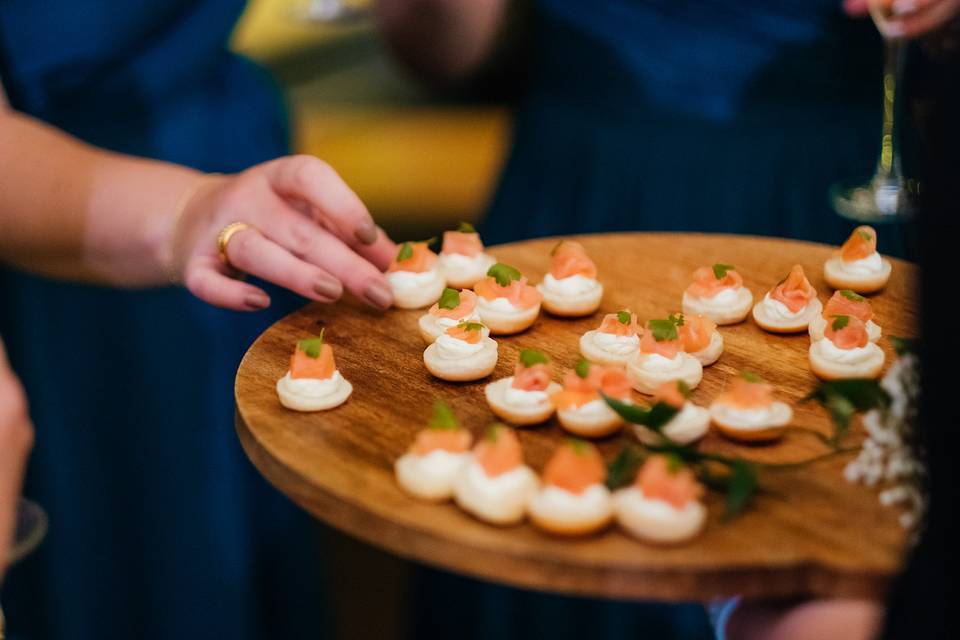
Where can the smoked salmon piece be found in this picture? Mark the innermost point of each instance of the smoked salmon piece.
(499, 451)
(795, 291)
(468, 302)
(611, 324)
(666, 348)
(452, 440)
(579, 391)
(696, 332)
(570, 259)
(846, 332)
(320, 368)
(466, 331)
(518, 292)
(670, 393)
(466, 244)
(535, 378)
(848, 303)
(706, 284)
(861, 243)
(677, 486)
(747, 391)
(421, 258)
(575, 467)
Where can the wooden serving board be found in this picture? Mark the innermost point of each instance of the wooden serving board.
(809, 532)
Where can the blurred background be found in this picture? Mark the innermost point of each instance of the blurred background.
(351, 105)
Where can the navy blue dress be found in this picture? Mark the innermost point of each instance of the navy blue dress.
(159, 527)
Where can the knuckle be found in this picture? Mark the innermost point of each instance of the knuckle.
(301, 239)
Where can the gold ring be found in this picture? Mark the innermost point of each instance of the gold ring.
(223, 238)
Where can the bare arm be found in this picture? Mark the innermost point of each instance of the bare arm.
(442, 40)
(70, 210)
(16, 439)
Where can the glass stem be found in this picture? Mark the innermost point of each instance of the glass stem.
(888, 168)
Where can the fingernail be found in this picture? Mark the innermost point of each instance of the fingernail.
(257, 301)
(901, 7)
(378, 295)
(328, 288)
(366, 232)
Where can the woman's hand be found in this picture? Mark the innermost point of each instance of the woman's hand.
(907, 18)
(308, 233)
(16, 439)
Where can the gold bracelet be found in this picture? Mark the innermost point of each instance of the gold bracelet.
(188, 194)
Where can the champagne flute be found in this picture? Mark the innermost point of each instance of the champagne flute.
(888, 196)
(30, 529)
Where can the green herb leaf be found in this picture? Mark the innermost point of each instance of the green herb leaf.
(720, 270)
(750, 376)
(504, 274)
(866, 235)
(623, 468)
(624, 317)
(843, 398)
(493, 431)
(684, 388)
(312, 346)
(663, 330)
(580, 447)
(904, 346)
(839, 322)
(653, 417)
(469, 326)
(582, 368)
(741, 488)
(406, 252)
(532, 357)
(676, 319)
(449, 299)
(443, 417)
(466, 227)
(852, 295)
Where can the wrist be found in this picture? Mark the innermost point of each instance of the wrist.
(172, 250)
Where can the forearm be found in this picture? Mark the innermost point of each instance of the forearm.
(73, 211)
(443, 40)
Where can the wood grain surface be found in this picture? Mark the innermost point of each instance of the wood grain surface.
(809, 532)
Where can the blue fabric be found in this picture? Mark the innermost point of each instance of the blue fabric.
(159, 527)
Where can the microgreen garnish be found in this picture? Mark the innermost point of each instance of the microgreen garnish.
(449, 299)
(583, 368)
(624, 317)
(493, 431)
(653, 417)
(466, 227)
(852, 295)
(684, 388)
(676, 319)
(312, 346)
(866, 235)
(663, 330)
(839, 322)
(532, 357)
(580, 447)
(469, 326)
(504, 274)
(904, 346)
(751, 377)
(443, 417)
(843, 398)
(720, 270)
(406, 252)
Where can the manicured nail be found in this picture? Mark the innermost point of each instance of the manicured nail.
(328, 288)
(378, 295)
(901, 7)
(366, 232)
(258, 301)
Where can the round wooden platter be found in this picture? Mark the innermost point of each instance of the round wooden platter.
(808, 533)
